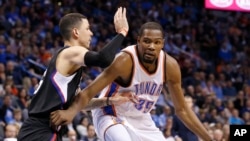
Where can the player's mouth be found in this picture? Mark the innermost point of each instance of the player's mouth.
(149, 54)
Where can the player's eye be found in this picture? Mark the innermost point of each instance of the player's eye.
(158, 42)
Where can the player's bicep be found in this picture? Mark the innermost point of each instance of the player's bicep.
(75, 55)
(115, 70)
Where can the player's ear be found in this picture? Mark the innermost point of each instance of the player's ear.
(138, 39)
(75, 32)
(163, 43)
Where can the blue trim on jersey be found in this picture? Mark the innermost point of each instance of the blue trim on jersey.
(57, 87)
(109, 109)
(53, 137)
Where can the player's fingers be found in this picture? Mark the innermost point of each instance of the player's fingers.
(54, 119)
(134, 99)
(52, 114)
(119, 12)
(135, 96)
(115, 16)
(124, 12)
(58, 122)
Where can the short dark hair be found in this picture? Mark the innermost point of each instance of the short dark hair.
(151, 25)
(68, 22)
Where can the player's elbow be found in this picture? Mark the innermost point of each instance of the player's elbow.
(181, 112)
(97, 59)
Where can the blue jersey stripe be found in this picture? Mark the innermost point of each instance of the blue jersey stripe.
(109, 109)
(59, 91)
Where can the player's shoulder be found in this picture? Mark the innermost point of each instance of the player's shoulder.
(170, 60)
(129, 48)
(128, 51)
(124, 56)
(71, 50)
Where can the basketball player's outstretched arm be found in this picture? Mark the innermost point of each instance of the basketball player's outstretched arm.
(186, 115)
(104, 57)
(117, 99)
(121, 67)
(82, 56)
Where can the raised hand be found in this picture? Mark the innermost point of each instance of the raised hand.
(120, 21)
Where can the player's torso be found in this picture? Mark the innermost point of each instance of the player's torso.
(54, 91)
(146, 86)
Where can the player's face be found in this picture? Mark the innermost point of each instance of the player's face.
(150, 44)
(85, 34)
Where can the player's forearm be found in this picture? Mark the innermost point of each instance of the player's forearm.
(96, 103)
(188, 117)
(106, 55)
(80, 101)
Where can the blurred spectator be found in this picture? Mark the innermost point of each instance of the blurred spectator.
(34, 84)
(222, 117)
(71, 136)
(218, 135)
(246, 108)
(167, 113)
(229, 90)
(179, 129)
(11, 131)
(2, 74)
(91, 135)
(235, 119)
(246, 117)
(219, 105)
(18, 118)
(167, 130)
(218, 90)
(155, 117)
(13, 71)
(240, 102)
(226, 132)
(81, 128)
(23, 99)
(6, 110)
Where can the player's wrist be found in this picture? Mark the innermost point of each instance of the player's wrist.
(123, 31)
(108, 101)
(72, 111)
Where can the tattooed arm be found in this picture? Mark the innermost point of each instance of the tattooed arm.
(117, 99)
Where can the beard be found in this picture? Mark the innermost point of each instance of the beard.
(150, 60)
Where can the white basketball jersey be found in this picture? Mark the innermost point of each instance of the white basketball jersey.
(147, 86)
(135, 117)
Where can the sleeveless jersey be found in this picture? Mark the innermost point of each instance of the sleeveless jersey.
(54, 91)
(147, 86)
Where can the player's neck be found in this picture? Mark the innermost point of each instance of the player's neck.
(150, 67)
(71, 43)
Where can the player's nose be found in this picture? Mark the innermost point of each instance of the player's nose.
(91, 33)
(151, 47)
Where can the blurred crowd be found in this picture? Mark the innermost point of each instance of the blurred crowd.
(212, 48)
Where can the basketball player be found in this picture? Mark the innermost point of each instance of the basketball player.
(61, 79)
(143, 69)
